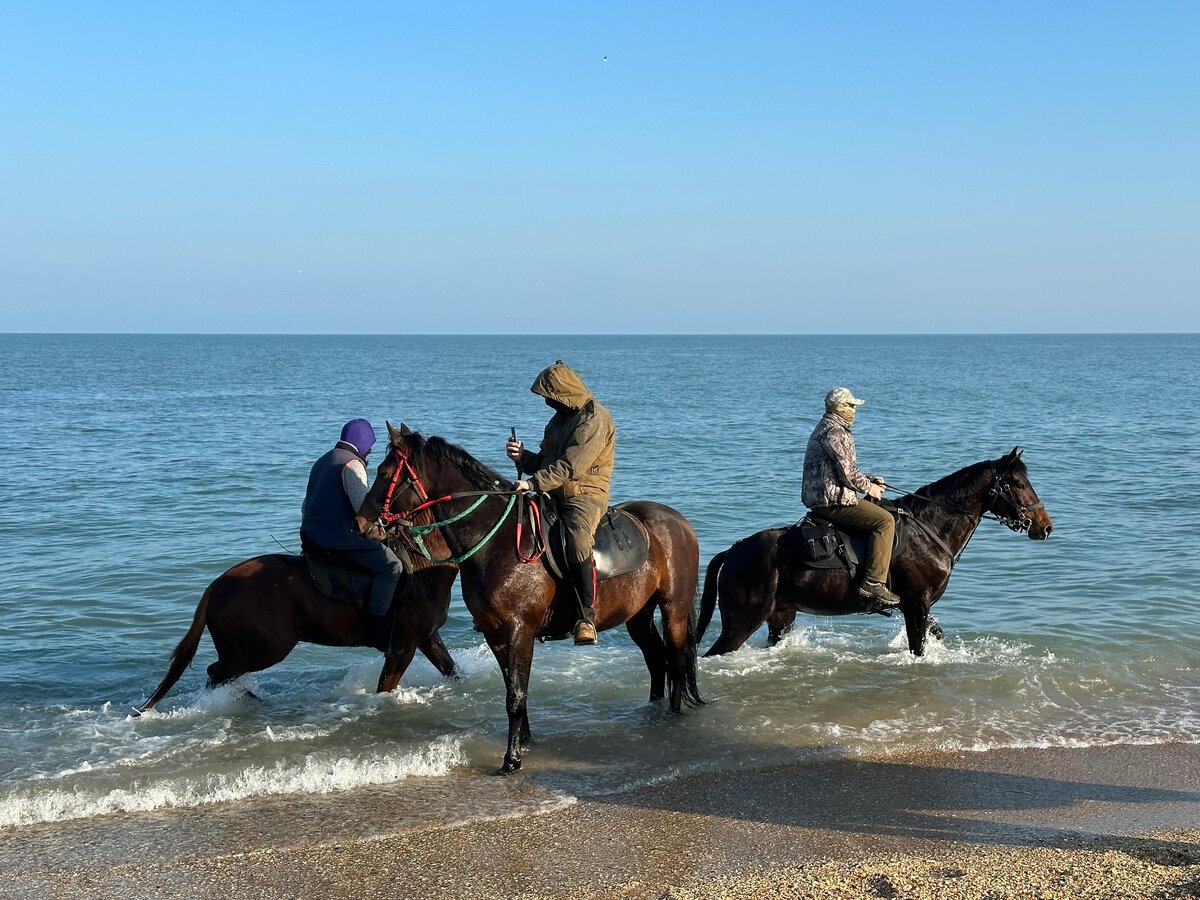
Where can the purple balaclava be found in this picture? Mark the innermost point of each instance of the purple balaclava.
(359, 434)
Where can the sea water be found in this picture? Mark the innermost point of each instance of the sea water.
(135, 469)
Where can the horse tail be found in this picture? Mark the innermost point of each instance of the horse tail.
(691, 690)
(184, 652)
(708, 599)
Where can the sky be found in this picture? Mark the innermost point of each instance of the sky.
(648, 167)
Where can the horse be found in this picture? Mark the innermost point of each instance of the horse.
(757, 578)
(514, 602)
(258, 611)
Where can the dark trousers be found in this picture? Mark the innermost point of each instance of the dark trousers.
(387, 570)
(876, 523)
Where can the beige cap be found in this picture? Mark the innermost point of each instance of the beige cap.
(841, 396)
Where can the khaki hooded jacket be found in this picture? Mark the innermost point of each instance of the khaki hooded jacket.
(576, 455)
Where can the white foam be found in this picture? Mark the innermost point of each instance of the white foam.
(314, 774)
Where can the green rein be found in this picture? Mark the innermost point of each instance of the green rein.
(418, 532)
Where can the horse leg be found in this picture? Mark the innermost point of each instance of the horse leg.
(394, 665)
(642, 630)
(435, 651)
(224, 671)
(935, 630)
(516, 659)
(916, 626)
(779, 623)
(746, 599)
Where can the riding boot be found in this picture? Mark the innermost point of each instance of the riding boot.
(379, 632)
(583, 579)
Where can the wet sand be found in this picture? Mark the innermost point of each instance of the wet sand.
(1106, 822)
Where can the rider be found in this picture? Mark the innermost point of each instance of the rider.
(337, 486)
(832, 483)
(574, 466)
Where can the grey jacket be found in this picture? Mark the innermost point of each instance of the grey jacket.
(831, 475)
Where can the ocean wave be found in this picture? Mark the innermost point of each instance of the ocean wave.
(314, 774)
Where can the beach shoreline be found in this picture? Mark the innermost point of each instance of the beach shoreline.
(1119, 821)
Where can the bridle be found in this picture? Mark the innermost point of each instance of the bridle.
(415, 534)
(1019, 520)
(403, 465)
(1000, 489)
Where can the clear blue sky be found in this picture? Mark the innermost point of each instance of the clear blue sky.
(731, 167)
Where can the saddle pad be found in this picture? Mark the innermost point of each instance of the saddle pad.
(621, 546)
(338, 579)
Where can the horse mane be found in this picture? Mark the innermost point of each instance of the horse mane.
(482, 477)
(950, 488)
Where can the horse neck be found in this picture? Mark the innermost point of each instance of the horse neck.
(467, 532)
(953, 507)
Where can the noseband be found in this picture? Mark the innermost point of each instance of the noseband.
(1018, 520)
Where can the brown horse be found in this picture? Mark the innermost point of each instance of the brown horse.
(261, 608)
(514, 603)
(756, 578)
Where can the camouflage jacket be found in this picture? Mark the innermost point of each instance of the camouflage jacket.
(831, 475)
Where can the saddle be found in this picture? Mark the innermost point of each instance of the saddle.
(816, 543)
(337, 578)
(622, 543)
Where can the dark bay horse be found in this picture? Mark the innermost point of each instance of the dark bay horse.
(513, 603)
(260, 609)
(754, 580)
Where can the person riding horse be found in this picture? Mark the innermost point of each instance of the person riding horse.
(574, 466)
(832, 483)
(337, 486)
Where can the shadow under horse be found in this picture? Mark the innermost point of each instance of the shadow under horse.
(757, 579)
(514, 602)
(258, 611)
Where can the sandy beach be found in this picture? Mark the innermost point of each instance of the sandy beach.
(1107, 822)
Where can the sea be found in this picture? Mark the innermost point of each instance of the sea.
(135, 469)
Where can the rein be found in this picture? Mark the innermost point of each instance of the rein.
(1000, 487)
(416, 533)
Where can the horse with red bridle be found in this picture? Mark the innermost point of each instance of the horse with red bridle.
(515, 601)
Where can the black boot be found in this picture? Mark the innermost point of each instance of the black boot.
(379, 631)
(583, 579)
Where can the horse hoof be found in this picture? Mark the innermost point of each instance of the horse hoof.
(508, 768)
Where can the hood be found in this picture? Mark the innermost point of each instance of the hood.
(561, 384)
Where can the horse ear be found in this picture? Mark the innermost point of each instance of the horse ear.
(394, 435)
(404, 429)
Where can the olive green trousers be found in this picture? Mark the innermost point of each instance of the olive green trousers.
(876, 523)
(580, 518)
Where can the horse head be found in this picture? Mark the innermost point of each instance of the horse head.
(1014, 501)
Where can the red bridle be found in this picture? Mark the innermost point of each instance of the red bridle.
(386, 516)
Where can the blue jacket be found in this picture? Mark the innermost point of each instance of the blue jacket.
(328, 520)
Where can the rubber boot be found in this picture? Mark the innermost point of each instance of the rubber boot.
(583, 579)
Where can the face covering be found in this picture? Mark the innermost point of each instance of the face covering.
(846, 412)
